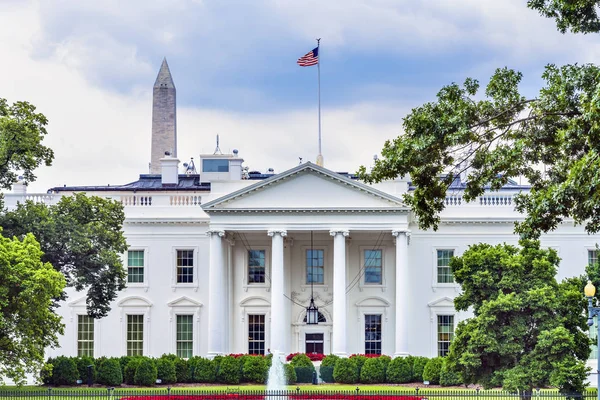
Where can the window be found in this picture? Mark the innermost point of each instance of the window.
(185, 266)
(256, 266)
(185, 336)
(314, 343)
(373, 267)
(373, 334)
(85, 336)
(215, 165)
(592, 257)
(135, 335)
(594, 337)
(444, 274)
(314, 266)
(445, 333)
(135, 266)
(256, 334)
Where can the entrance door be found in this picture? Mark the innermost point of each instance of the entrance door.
(314, 343)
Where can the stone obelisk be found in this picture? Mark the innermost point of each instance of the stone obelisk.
(164, 118)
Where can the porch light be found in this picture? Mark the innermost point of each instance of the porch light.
(312, 313)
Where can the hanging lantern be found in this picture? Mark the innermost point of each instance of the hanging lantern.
(312, 313)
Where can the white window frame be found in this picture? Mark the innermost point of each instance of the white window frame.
(434, 283)
(255, 305)
(372, 306)
(362, 284)
(185, 306)
(79, 307)
(77, 335)
(363, 327)
(174, 284)
(135, 305)
(247, 329)
(246, 260)
(587, 253)
(327, 268)
(146, 251)
(442, 306)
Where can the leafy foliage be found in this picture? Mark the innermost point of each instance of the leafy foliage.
(576, 16)
(373, 371)
(399, 370)
(82, 237)
(304, 374)
(28, 323)
(82, 367)
(498, 135)
(65, 371)
(229, 370)
(290, 374)
(329, 360)
(345, 371)
(432, 370)
(254, 369)
(165, 370)
(130, 368)
(182, 370)
(109, 372)
(326, 373)
(528, 330)
(202, 369)
(146, 372)
(449, 377)
(22, 131)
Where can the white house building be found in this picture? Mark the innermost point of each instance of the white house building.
(225, 261)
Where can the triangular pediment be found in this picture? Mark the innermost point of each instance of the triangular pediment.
(184, 301)
(442, 302)
(306, 187)
(373, 302)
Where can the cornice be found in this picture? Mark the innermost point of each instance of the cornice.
(165, 221)
(332, 210)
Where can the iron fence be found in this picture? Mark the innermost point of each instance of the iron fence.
(298, 394)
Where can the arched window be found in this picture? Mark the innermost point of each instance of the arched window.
(321, 318)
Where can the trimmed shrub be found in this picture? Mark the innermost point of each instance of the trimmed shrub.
(290, 374)
(373, 371)
(359, 359)
(304, 374)
(146, 373)
(165, 370)
(182, 370)
(432, 370)
(418, 367)
(255, 369)
(130, 368)
(345, 371)
(329, 361)
(123, 360)
(202, 370)
(302, 360)
(82, 364)
(385, 360)
(65, 371)
(399, 370)
(326, 373)
(448, 377)
(109, 372)
(229, 370)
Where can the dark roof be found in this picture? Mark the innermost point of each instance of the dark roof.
(147, 182)
(457, 184)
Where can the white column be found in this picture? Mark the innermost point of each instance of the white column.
(216, 295)
(339, 292)
(279, 330)
(402, 292)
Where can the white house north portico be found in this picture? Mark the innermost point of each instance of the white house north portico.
(223, 259)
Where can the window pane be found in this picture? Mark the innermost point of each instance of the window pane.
(445, 333)
(135, 335)
(315, 272)
(373, 334)
(185, 336)
(592, 257)
(256, 266)
(185, 266)
(135, 266)
(215, 165)
(256, 334)
(444, 273)
(85, 336)
(372, 266)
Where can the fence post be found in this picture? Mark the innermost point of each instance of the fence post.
(49, 392)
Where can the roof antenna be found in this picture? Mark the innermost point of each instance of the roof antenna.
(300, 160)
(218, 149)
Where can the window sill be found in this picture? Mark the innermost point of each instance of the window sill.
(363, 286)
(136, 286)
(316, 286)
(265, 286)
(454, 286)
(176, 286)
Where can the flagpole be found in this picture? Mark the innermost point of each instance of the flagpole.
(320, 156)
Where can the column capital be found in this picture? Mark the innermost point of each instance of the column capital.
(272, 232)
(398, 232)
(344, 232)
(219, 232)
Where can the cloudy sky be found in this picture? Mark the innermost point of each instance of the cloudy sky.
(89, 66)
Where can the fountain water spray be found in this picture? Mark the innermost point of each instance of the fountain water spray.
(276, 380)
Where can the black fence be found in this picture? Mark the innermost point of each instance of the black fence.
(298, 394)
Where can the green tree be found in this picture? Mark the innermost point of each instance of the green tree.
(28, 323)
(527, 330)
(576, 16)
(82, 237)
(22, 131)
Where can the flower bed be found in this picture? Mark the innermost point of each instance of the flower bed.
(312, 356)
(317, 396)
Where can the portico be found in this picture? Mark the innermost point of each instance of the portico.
(357, 256)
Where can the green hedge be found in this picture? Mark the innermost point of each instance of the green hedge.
(182, 370)
(65, 371)
(329, 361)
(326, 373)
(304, 374)
(419, 364)
(82, 364)
(432, 370)
(399, 371)
(165, 368)
(109, 372)
(290, 374)
(229, 370)
(129, 370)
(372, 371)
(254, 369)
(346, 371)
(202, 370)
(449, 378)
(146, 373)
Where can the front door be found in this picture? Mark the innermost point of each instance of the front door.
(314, 343)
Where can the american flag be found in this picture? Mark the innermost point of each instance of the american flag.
(309, 59)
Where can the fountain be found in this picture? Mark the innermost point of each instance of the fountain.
(276, 380)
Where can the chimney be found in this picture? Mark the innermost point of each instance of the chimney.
(169, 170)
